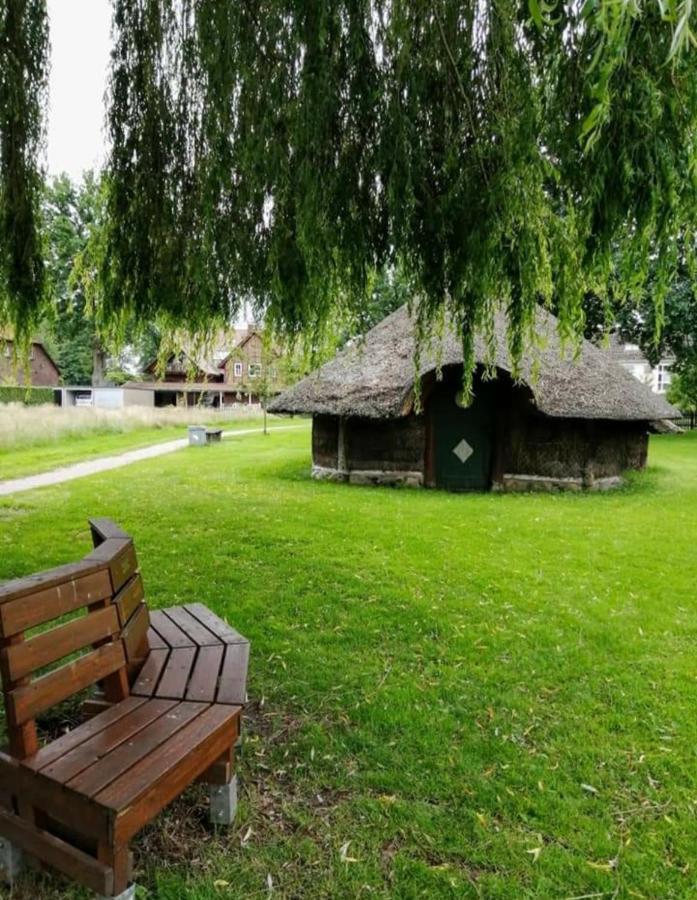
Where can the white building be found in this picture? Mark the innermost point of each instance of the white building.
(630, 357)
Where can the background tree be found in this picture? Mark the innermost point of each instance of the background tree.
(69, 213)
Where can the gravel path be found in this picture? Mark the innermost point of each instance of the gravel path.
(105, 463)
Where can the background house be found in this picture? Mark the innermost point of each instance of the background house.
(630, 357)
(42, 370)
(239, 368)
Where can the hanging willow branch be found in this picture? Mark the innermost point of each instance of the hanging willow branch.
(23, 65)
(515, 151)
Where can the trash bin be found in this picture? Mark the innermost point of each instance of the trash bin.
(197, 435)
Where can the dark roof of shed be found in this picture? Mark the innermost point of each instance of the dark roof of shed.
(375, 378)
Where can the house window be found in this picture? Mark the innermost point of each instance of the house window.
(663, 378)
(238, 370)
(254, 370)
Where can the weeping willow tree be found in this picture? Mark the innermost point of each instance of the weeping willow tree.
(498, 151)
(23, 67)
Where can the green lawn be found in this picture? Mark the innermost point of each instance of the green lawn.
(451, 696)
(42, 457)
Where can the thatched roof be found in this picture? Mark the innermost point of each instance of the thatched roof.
(375, 378)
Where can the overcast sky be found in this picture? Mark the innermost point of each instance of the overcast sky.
(80, 45)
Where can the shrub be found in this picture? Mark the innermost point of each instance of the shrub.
(29, 396)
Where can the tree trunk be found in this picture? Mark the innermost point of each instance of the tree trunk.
(98, 365)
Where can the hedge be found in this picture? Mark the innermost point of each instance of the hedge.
(30, 396)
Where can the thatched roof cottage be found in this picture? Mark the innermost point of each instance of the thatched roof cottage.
(574, 424)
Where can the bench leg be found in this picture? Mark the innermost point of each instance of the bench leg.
(223, 802)
(11, 861)
(118, 859)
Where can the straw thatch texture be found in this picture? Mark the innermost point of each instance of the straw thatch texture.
(375, 379)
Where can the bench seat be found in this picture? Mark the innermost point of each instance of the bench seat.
(131, 760)
(194, 655)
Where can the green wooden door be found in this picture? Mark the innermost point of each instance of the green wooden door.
(463, 438)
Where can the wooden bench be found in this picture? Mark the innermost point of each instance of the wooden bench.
(171, 687)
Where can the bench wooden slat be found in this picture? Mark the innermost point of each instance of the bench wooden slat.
(87, 730)
(129, 597)
(221, 629)
(51, 850)
(120, 556)
(149, 676)
(175, 676)
(154, 639)
(199, 634)
(27, 702)
(90, 751)
(42, 581)
(233, 676)
(160, 777)
(103, 528)
(135, 635)
(43, 649)
(203, 682)
(121, 761)
(52, 602)
(168, 630)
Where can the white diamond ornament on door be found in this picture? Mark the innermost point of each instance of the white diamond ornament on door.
(463, 451)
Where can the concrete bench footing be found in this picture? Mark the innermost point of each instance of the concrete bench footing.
(223, 802)
(128, 894)
(11, 861)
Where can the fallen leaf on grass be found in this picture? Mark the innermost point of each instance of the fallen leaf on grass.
(535, 853)
(343, 853)
(589, 789)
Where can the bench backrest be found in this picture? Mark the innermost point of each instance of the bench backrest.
(110, 635)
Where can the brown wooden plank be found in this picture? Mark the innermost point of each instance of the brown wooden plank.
(168, 630)
(48, 848)
(129, 598)
(27, 702)
(120, 556)
(175, 676)
(145, 684)
(65, 805)
(120, 762)
(232, 686)
(42, 581)
(83, 732)
(154, 639)
(203, 682)
(135, 635)
(199, 634)
(103, 528)
(92, 750)
(155, 781)
(53, 601)
(46, 648)
(221, 629)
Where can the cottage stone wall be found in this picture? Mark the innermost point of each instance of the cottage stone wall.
(368, 451)
(569, 454)
(531, 451)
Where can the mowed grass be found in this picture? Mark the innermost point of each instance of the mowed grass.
(451, 696)
(63, 450)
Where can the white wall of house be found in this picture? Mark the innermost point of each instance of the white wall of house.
(658, 377)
